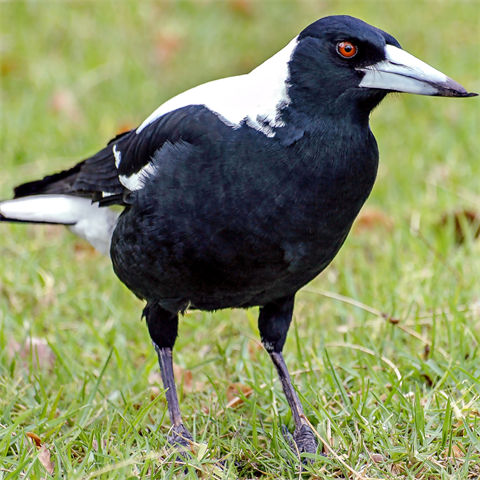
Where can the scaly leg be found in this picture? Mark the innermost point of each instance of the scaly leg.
(273, 323)
(163, 329)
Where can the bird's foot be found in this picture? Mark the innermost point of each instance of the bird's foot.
(302, 441)
(180, 437)
(305, 439)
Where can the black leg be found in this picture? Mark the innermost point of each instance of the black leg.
(163, 329)
(273, 323)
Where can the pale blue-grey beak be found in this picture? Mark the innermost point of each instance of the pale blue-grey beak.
(402, 72)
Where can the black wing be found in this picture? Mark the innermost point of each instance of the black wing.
(98, 177)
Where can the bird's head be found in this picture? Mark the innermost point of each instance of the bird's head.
(341, 62)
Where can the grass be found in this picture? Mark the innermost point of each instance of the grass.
(385, 343)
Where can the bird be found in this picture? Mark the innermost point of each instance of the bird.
(240, 191)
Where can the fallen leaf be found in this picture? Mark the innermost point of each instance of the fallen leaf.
(44, 457)
(392, 320)
(234, 400)
(426, 352)
(38, 348)
(36, 439)
(456, 451)
(372, 219)
(377, 458)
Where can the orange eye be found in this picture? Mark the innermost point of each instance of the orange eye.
(346, 49)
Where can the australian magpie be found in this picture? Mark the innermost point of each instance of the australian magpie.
(240, 191)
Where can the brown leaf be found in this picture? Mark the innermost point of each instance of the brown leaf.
(377, 458)
(36, 439)
(37, 348)
(426, 352)
(234, 400)
(64, 102)
(457, 452)
(390, 318)
(371, 218)
(44, 457)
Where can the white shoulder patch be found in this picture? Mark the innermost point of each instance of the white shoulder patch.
(118, 156)
(136, 181)
(255, 98)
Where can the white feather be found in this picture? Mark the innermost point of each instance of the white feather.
(256, 97)
(136, 181)
(87, 220)
(118, 156)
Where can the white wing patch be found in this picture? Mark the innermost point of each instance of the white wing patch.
(118, 156)
(256, 97)
(136, 181)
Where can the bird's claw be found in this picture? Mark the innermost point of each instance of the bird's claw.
(180, 437)
(302, 441)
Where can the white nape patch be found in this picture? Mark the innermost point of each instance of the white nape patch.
(118, 156)
(402, 72)
(87, 220)
(136, 181)
(256, 97)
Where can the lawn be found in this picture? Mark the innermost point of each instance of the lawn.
(385, 343)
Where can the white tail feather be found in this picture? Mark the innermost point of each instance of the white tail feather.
(87, 220)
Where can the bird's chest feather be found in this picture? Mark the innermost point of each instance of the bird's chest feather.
(236, 219)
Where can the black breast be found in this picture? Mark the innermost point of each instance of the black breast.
(242, 221)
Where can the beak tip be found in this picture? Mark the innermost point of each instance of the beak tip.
(451, 88)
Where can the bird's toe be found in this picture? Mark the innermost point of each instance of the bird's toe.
(305, 439)
(302, 441)
(180, 437)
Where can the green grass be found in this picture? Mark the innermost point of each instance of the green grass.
(385, 342)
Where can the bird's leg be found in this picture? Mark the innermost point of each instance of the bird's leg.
(273, 323)
(163, 329)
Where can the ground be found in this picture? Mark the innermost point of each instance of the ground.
(385, 343)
